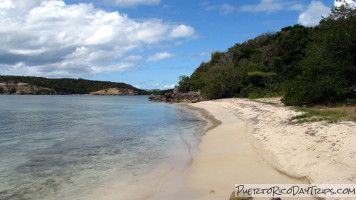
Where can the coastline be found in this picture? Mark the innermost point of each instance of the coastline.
(164, 180)
(246, 142)
(317, 152)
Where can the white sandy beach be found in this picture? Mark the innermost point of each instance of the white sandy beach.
(319, 152)
(254, 144)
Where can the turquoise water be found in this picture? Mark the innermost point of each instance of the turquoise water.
(60, 147)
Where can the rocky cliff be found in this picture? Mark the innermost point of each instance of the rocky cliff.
(11, 87)
(115, 91)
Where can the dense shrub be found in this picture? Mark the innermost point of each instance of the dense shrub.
(328, 69)
(307, 65)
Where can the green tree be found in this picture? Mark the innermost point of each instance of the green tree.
(309, 65)
(69, 86)
(328, 70)
(221, 82)
(184, 83)
(12, 91)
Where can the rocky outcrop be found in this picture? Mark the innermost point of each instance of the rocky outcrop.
(190, 97)
(115, 91)
(12, 87)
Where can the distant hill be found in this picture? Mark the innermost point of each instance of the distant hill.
(39, 85)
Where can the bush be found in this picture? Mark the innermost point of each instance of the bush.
(328, 70)
(307, 65)
(12, 91)
(220, 82)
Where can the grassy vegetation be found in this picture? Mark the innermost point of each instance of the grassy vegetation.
(265, 102)
(323, 113)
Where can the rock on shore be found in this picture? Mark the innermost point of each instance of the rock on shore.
(190, 97)
(12, 87)
(115, 91)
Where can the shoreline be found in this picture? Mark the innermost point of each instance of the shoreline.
(228, 156)
(318, 152)
(245, 142)
(162, 179)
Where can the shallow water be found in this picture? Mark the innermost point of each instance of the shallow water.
(61, 147)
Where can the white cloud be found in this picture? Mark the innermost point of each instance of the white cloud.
(17, 8)
(313, 14)
(182, 31)
(350, 3)
(202, 54)
(160, 56)
(131, 3)
(271, 6)
(178, 43)
(51, 38)
(224, 8)
(119, 67)
(169, 86)
(264, 6)
(133, 58)
(296, 7)
(6, 4)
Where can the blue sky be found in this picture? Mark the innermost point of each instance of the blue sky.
(145, 43)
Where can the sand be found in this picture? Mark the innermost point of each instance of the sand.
(256, 141)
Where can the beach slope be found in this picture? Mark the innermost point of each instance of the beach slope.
(256, 143)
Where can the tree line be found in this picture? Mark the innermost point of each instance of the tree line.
(306, 65)
(68, 85)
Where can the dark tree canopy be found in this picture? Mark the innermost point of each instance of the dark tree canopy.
(67, 85)
(307, 65)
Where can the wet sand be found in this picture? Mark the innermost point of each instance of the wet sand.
(228, 157)
(251, 142)
(256, 143)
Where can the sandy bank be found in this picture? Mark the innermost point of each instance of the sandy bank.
(236, 151)
(227, 157)
(255, 143)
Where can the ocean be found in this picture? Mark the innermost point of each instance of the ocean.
(65, 147)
